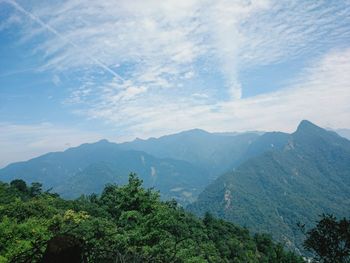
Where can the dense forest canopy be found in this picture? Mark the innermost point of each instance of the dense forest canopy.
(124, 224)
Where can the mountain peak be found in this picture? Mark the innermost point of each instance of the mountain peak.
(306, 125)
(307, 129)
(192, 132)
(195, 131)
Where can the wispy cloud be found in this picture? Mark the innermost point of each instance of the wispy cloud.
(162, 52)
(290, 29)
(155, 43)
(62, 37)
(321, 94)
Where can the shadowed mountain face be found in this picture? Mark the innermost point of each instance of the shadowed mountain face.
(307, 174)
(178, 165)
(87, 168)
(214, 152)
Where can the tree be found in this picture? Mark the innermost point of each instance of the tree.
(329, 241)
(35, 189)
(127, 223)
(20, 185)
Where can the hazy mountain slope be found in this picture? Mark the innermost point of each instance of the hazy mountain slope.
(266, 142)
(344, 133)
(271, 192)
(179, 165)
(87, 168)
(214, 152)
(54, 168)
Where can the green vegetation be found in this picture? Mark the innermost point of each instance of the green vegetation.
(124, 224)
(329, 240)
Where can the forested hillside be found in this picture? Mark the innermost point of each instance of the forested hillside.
(125, 224)
(307, 175)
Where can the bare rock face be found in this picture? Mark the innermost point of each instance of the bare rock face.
(64, 248)
(228, 199)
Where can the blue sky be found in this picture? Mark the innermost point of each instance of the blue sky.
(78, 71)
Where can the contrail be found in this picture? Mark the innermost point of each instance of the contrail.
(59, 35)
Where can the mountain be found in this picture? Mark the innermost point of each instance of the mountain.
(178, 165)
(265, 181)
(87, 168)
(266, 142)
(214, 152)
(306, 174)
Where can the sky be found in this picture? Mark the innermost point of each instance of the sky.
(79, 71)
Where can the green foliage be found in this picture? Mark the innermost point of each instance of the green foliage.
(329, 240)
(35, 189)
(125, 224)
(19, 184)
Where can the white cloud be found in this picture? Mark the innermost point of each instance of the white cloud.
(222, 22)
(163, 40)
(162, 50)
(156, 43)
(321, 94)
(293, 28)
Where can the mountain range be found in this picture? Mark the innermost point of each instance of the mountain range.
(305, 174)
(88, 168)
(214, 152)
(266, 181)
(178, 165)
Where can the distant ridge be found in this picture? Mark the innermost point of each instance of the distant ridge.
(178, 165)
(89, 167)
(214, 152)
